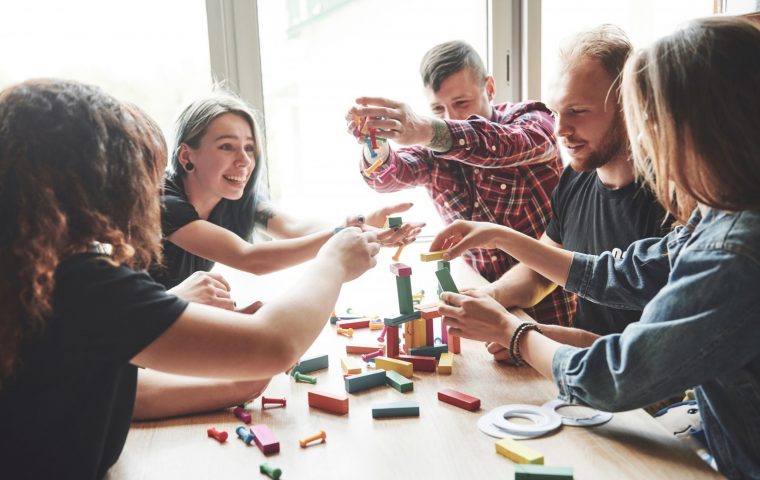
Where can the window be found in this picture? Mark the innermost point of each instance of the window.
(154, 54)
(643, 20)
(317, 57)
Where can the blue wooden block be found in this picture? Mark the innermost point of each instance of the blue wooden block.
(363, 381)
(542, 472)
(402, 319)
(429, 351)
(396, 409)
(310, 364)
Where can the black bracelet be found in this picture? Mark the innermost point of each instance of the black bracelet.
(514, 342)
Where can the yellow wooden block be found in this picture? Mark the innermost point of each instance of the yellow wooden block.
(376, 325)
(446, 363)
(432, 256)
(400, 366)
(517, 452)
(351, 365)
(419, 339)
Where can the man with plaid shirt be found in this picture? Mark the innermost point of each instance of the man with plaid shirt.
(478, 161)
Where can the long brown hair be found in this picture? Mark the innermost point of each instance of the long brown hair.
(76, 166)
(692, 111)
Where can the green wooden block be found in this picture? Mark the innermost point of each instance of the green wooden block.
(542, 472)
(445, 280)
(443, 264)
(398, 381)
(363, 381)
(404, 291)
(311, 364)
(394, 222)
(435, 351)
(401, 319)
(396, 409)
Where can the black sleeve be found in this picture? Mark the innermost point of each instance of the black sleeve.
(176, 212)
(115, 311)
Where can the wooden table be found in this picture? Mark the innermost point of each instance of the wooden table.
(443, 442)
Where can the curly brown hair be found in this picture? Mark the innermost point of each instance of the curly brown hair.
(76, 166)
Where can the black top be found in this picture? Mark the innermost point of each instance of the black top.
(176, 212)
(588, 217)
(67, 411)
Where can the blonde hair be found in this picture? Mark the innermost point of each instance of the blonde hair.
(608, 44)
(692, 110)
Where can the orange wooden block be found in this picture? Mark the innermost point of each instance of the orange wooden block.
(356, 348)
(328, 402)
(429, 311)
(454, 344)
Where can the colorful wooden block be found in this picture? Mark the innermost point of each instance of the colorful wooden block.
(419, 336)
(419, 364)
(429, 312)
(401, 270)
(432, 256)
(443, 264)
(429, 351)
(400, 366)
(404, 292)
(401, 319)
(362, 348)
(364, 381)
(391, 342)
(394, 222)
(398, 381)
(459, 399)
(542, 472)
(455, 344)
(328, 402)
(265, 439)
(446, 282)
(351, 365)
(376, 325)
(357, 323)
(429, 331)
(446, 363)
(518, 452)
(396, 409)
(311, 364)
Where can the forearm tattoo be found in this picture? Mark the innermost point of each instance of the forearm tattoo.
(442, 139)
(264, 213)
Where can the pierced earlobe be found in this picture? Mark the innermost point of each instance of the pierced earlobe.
(189, 167)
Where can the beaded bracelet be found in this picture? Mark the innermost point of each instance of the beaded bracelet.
(514, 342)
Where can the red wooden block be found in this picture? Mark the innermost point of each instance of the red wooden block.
(391, 342)
(429, 339)
(401, 270)
(429, 312)
(265, 439)
(356, 348)
(454, 344)
(358, 323)
(419, 364)
(459, 399)
(328, 402)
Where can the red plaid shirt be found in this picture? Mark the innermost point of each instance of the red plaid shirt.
(500, 171)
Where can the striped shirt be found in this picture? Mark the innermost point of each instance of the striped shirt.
(501, 170)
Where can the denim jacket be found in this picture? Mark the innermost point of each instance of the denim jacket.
(699, 288)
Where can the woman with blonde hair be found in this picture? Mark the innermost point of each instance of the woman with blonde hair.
(692, 111)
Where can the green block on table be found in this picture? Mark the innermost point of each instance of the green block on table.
(542, 472)
(445, 280)
(396, 409)
(394, 222)
(428, 351)
(311, 364)
(364, 381)
(398, 381)
(404, 292)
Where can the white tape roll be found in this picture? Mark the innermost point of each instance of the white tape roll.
(597, 418)
(493, 422)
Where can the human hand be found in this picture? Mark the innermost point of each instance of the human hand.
(351, 250)
(403, 235)
(251, 309)
(478, 316)
(208, 288)
(393, 120)
(462, 235)
(500, 353)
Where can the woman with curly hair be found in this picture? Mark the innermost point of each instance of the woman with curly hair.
(79, 179)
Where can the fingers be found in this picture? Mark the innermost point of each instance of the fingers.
(222, 302)
(398, 208)
(494, 348)
(252, 308)
(219, 281)
(378, 101)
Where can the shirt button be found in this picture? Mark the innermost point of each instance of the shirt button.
(446, 204)
(477, 170)
(477, 204)
(503, 186)
(461, 141)
(493, 147)
(494, 258)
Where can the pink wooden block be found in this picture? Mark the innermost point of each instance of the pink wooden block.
(265, 439)
(401, 270)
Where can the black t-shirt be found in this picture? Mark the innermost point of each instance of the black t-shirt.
(588, 217)
(176, 212)
(66, 412)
